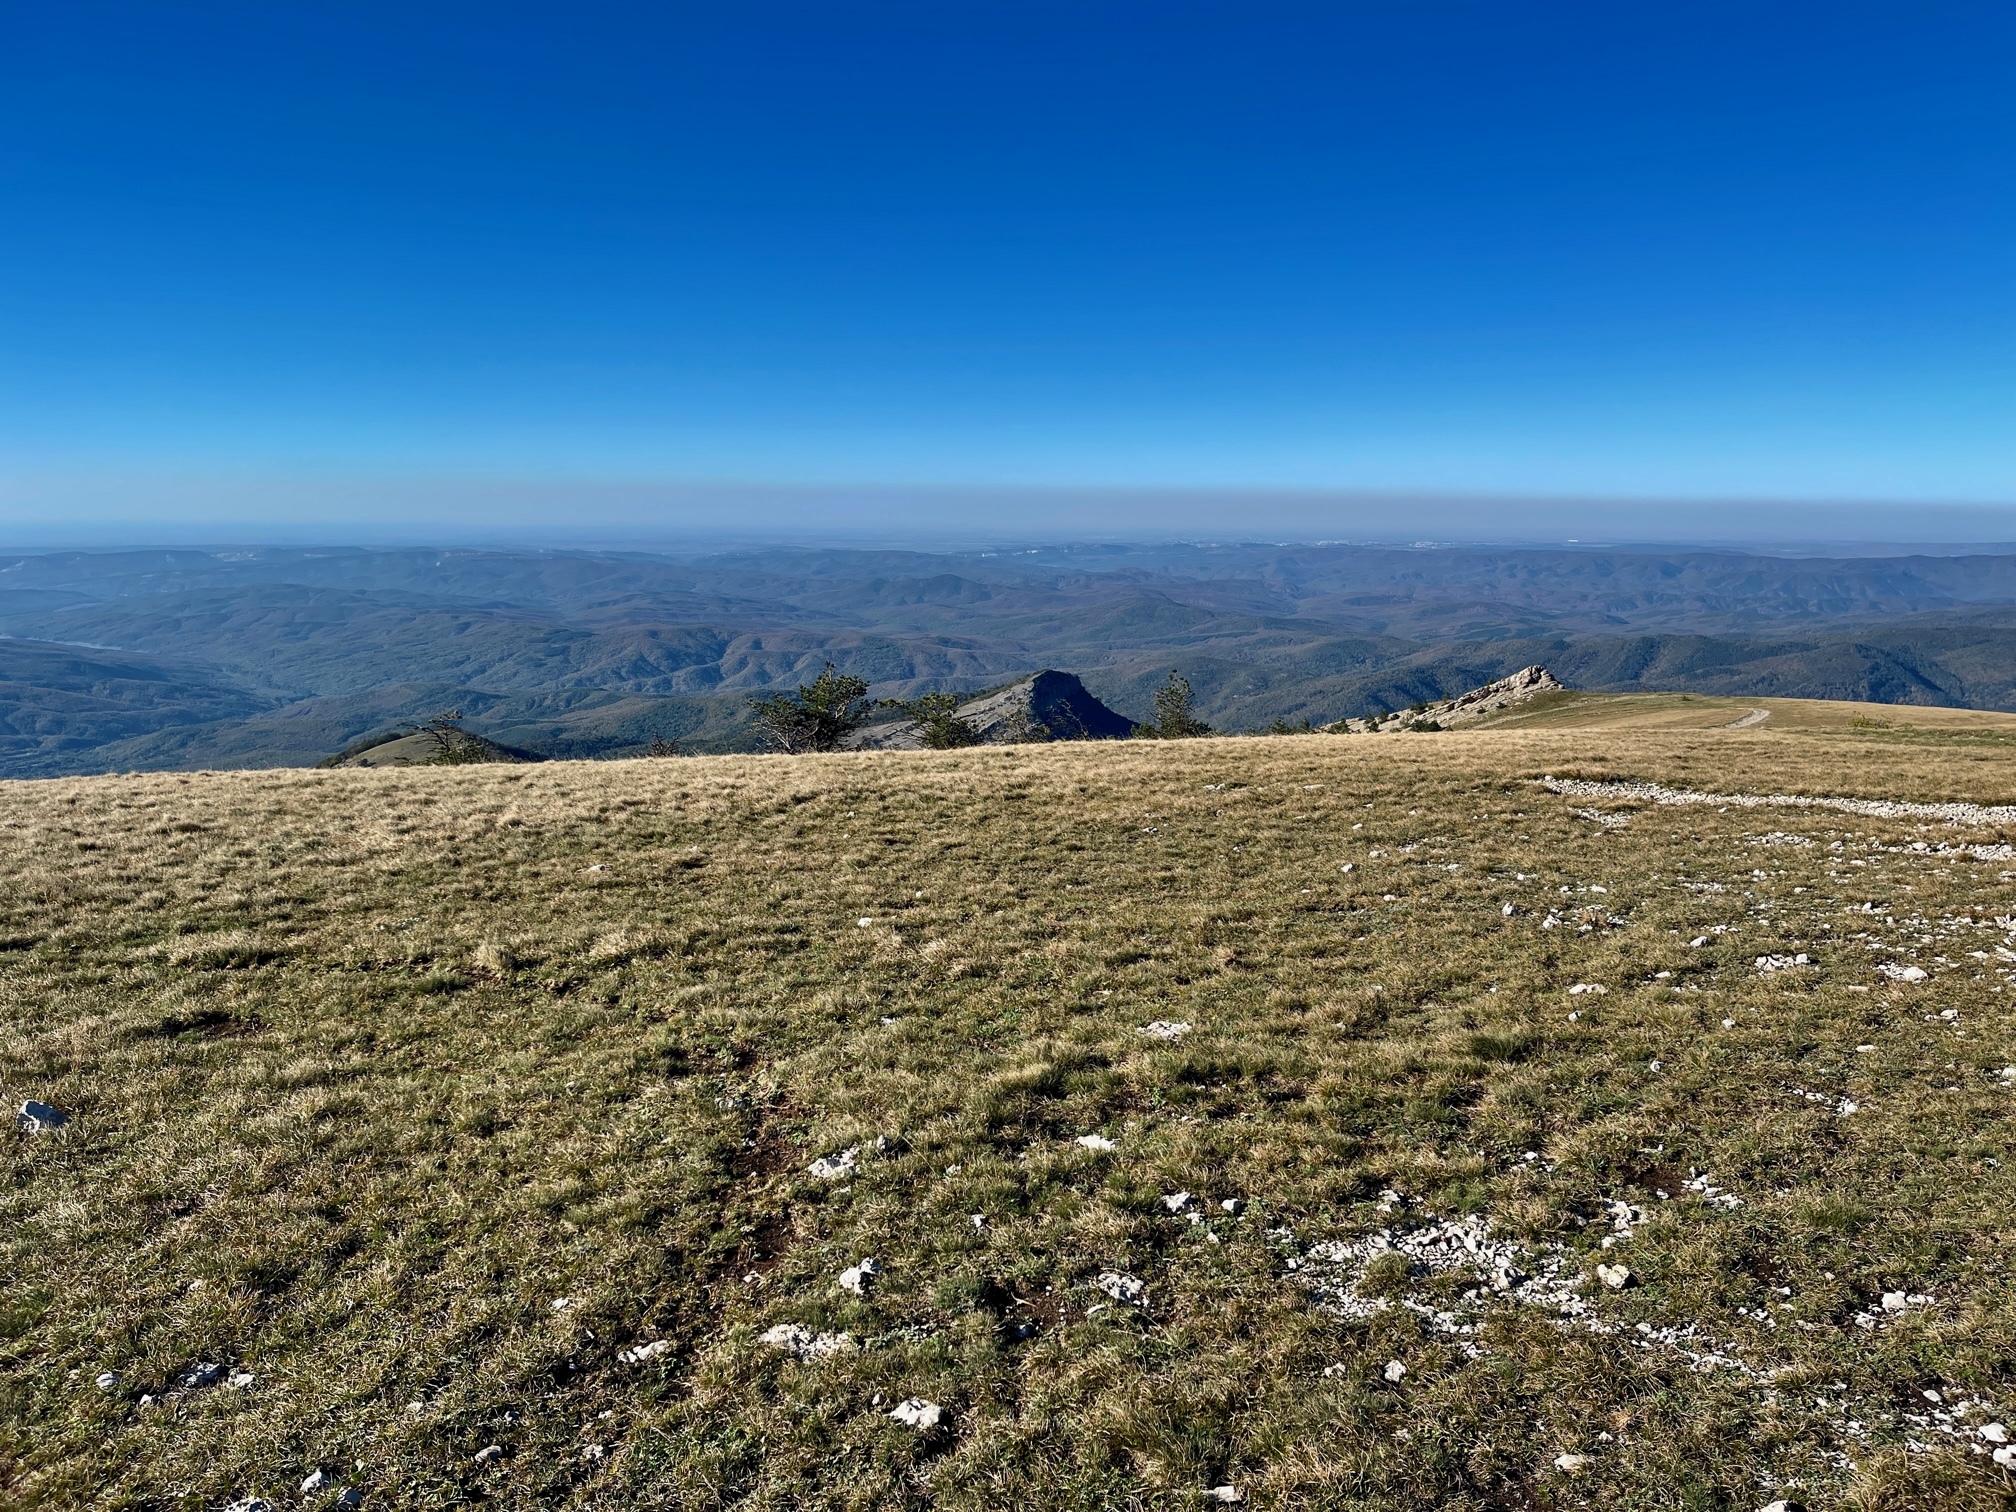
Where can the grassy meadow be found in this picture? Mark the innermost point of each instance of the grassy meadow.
(465, 1118)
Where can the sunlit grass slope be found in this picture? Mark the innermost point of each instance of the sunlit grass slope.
(1700, 711)
(417, 1099)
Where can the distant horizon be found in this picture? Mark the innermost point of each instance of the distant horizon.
(682, 518)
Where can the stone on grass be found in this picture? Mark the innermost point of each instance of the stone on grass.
(1995, 1433)
(644, 1354)
(317, 1482)
(1395, 1371)
(833, 1167)
(35, 1117)
(107, 1379)
(249, 1504)
(202, 1376)
(801, 1343)
(1571, 1464)
(1175, 1202)
(488, 1453)
(1228, 1495)
(1098, 1142)
(349, 1496)
(1591, 989)
(1616, 1277)
(1122, 1287)
(1165, 1029)
(915, 1412)
(1898, 973)
(240, 1380)
(857, 1277)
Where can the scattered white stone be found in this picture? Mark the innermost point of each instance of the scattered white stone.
(561, 1304)
(1994, 1433)
(864, 923)
(1571, 1464)
(107, 1379)
(1864, 1049)
(802, 1343)
(1780, 1505)
(1165, 1029)
(1898, 973)
(1097, 1142)
(1507, 911)
(1770, 963)
(599, 866)
(1395, 1371)
(1593, 989)
(592, 1452)
(1616, 1277)
(240, 1380)
(1233, 1204)
(488, 1453)
(1697, 942)
(1122, 1287)
(249, 1504)
(857, 1277)
(1347, 868)
(317, 1482)
(834, 1167)
(202, 1376)
(1340, 1368)
(1176, 1202)
(1229, 1495)
(2006, 1457)
(644, 1354)
(35, 1117)
(1874, 808)
(915, 1412)
(1897, 1301)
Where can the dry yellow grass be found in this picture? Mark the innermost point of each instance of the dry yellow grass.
(418, 1096)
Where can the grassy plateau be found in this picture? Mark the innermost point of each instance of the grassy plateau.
(452, 1132)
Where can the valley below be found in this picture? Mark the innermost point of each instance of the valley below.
(268, 657)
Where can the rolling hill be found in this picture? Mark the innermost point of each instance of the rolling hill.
(275, 657)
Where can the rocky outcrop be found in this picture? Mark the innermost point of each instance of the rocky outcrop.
(1473, 707)
(1049, 706)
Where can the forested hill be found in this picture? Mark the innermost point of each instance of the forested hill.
(272, 657)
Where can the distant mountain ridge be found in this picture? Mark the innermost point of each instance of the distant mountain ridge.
(256, 657)
(1052, 705)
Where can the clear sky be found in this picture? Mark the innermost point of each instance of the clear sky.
(293, 262)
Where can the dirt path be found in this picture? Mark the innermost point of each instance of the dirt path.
(1753, 718)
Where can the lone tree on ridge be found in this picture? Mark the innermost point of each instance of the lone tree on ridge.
(818, 717)
(1175, 718)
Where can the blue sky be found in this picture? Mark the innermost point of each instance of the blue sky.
(302, 263)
